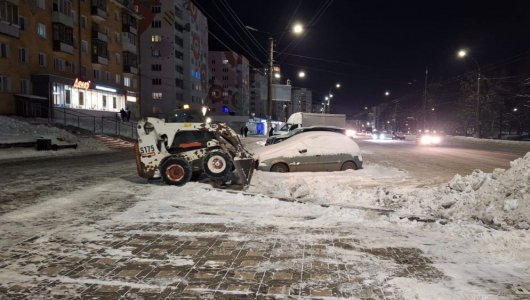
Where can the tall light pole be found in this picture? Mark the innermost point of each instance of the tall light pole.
(297, 29)
(330, 95)
(462, 54)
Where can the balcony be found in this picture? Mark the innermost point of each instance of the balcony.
(61, 46)
(100, 36)
(130, 69)
(61, 18)
(128, 46)
(129, 28)
(99, 14)
(98, 59)
(9, 29)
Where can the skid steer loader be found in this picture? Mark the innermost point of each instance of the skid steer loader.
(183, 146)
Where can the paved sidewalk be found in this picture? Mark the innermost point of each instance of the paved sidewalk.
(214, 266)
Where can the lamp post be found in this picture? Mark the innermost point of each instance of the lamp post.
(297, 29)
(462, 54)
(330, 95)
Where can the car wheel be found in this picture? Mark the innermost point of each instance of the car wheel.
(280, 167)
(348, 165)
(217, 164)
(175, 171)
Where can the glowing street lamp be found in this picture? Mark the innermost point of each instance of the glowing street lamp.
(461, 54)
(301, 74)
(298, 28)
(387, 93)
(337, 85)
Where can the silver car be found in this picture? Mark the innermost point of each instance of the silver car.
(309, 152)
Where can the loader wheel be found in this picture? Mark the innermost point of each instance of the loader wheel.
(280, 167)
(217, 164)
(175, 171)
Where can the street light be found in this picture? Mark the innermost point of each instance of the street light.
(387, 93)
(301, 74)
(330, 95)
(462, 54)
(297, 29)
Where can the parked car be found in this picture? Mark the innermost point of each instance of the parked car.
(278, 138)
(382, 135)
(311, 151)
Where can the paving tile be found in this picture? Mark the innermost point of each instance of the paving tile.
(282, 276)
(129, 273)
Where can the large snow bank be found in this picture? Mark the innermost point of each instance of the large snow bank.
(14, 130)
(500, 199)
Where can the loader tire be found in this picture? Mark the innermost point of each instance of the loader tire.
(217, 164)
(175, 171)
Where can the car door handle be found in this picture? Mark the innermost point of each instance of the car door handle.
(302, 151)
(318, 155)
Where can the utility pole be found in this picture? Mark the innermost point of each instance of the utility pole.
(477, 108)
(269, 83)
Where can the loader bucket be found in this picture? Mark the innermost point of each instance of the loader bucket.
(244, 168)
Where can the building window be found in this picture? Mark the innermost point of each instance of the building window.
(107, 76)
(41, 30)
(41, 4)
(118, 79)
(114, 102)
(117, 37)
(22, 23)
(156, 38)
(213, 61)
(155, 53)
(225, 70)
(42, 60)
(24, 86)
(74, 68)
(96, 74)
(83, 71)
(4, 83)
(156, 81)
(156, 67)
(81, 98)
(84, 46)
(126, 81)
(104, 101)
(156, 24)
(62, 6)
(9, 12)
(23, 55)
(4, 50)
(157, 96)
(156, 9)
(67, 96)
(83, 21)
(118, 58)
(59, 64)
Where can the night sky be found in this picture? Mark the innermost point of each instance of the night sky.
(374, 46)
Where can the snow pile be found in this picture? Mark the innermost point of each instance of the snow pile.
(14, 130)
(500, 199)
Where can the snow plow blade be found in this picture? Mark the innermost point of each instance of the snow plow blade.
(244, 168)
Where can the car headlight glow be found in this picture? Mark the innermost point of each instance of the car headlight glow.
(351, 132)
(381, 136)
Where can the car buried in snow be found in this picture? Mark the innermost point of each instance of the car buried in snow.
(311, 151)
(278, 138)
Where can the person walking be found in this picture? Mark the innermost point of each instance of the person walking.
(123, 115)
(245, 131)
(271, 132)
(127, 114)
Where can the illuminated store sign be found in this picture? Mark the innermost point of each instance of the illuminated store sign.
(106, 89)
(78, 84)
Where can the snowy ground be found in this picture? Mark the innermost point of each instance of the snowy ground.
(371, 233)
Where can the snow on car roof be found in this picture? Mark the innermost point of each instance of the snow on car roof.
(321, 142)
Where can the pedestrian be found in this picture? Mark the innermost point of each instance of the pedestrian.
(242, 131)
(245, 130)
(128, 114)
(123, 115)
(271, 132)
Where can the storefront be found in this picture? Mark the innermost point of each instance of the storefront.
(78, 94)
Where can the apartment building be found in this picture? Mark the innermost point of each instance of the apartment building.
(174, 39)
(229, 83)
(258, 93)
(301, 100)
(80, 55)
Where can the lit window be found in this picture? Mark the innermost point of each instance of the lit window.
(126, 81)
(41, 30)
(157, 96)
(156, 38)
